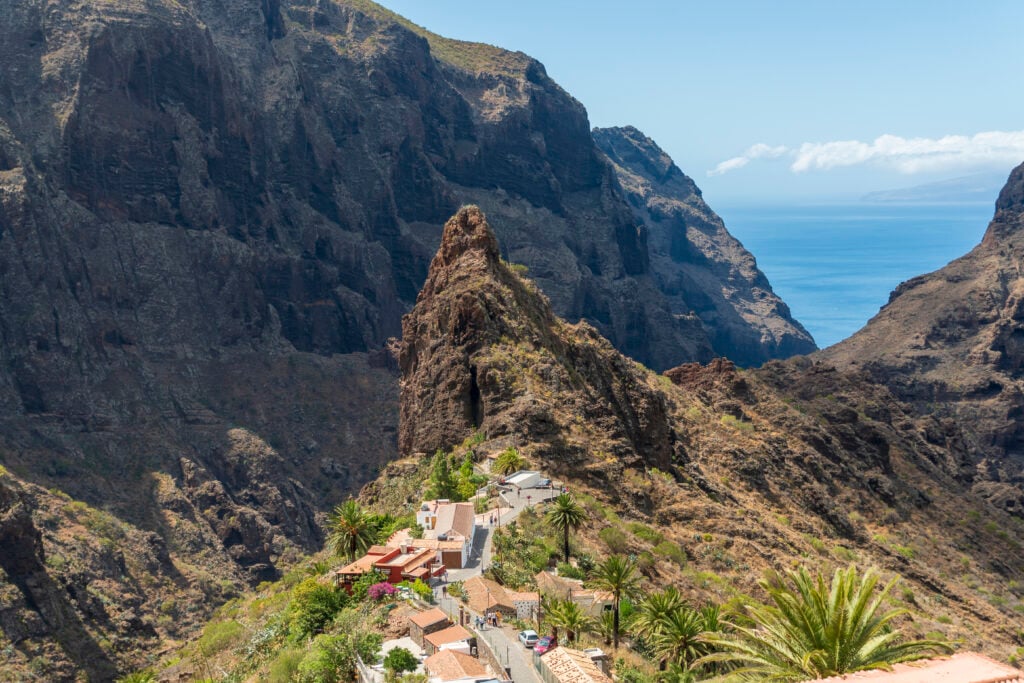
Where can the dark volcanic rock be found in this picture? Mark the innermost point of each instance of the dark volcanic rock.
(952, 342)
(701, 268)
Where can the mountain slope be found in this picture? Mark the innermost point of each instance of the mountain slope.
(701, 267)
(212, 217)
(741, 469)
(950, 342)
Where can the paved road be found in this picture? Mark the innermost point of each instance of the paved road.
(503, 641)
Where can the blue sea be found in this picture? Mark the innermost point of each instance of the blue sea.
(836, 264)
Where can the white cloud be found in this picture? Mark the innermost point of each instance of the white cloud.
(758, 151)
(906, 155)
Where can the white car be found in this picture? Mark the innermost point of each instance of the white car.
(528, 638)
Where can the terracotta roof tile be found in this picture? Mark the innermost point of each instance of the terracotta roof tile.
(573, 666)
(452, 634)
(428, 618)
(449, 665)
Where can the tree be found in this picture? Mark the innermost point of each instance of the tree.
(351, 530)
(568, 615)
(399, 660)
(565, 514)
(443, 484)
(678, 640)
(508, 461)
(312, 607)
(813, 631)
(617, 575)
(654, 609)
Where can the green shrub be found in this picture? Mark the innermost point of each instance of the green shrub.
(739, 425)
(332, 658)
(672, 552)
(570, 572)
(313, 606)
(646, 533)
(285, 666)
(399, 660)
(422, 590)
(614, 538)
(219, 636)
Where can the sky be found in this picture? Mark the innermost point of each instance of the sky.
(788, 100)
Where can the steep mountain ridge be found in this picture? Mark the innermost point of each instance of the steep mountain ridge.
(212, 217)
(950, 343)
(701, 268)
(742, 469)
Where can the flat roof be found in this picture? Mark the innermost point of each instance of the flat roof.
(963, 667)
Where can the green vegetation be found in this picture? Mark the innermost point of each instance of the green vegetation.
(508, 461)
(566, 515)
(218, 636)
(569, 616)
(351, 530)
(812, 630)
(332, 657)
(450, 482)
(313, 607)
(400, 660)
(618, 576)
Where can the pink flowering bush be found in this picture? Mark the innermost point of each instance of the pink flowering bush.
(380, 590)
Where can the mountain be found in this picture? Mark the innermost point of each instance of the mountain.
(741, 470)
(950, 343)
(213, 216)
(979, 187)
(701, 268)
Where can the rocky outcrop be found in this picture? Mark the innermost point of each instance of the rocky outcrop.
(701, 268)
(482, 350)
(739, 470)
(950, 343)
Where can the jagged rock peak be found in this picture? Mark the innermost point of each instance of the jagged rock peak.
(1009, 216)
(467, 231)
(1011, 198)
(629, 147)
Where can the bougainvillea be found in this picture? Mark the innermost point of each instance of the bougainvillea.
(380, 590)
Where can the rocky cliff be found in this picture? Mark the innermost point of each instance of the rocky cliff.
(212, 217)
(950, 342)
(700, 267)
(741, 469)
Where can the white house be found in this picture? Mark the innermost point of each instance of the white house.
(448, 523)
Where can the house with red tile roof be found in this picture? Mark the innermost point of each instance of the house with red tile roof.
(425, 623)
(449, 665)
(566, 665)
(451, 638)
(444, 520)
(485, 597)
(399, 564)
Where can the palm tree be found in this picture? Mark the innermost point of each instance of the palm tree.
(351, 530)
(654, 609)
(570, 616)
(812, 630)
(508, 461)
(565, 514)
(617, 575)
(678, 640)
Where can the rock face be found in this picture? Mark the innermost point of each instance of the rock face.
(213, 216)
(739, 468)
(701, 268)
(950, 342)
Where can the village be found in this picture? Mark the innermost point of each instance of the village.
(472, 638)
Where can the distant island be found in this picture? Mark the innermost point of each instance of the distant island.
(979, 187)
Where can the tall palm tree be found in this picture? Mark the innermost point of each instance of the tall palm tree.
(351, 530)
(812, 630)
(570, 616)
(617, 575)
(565, 514)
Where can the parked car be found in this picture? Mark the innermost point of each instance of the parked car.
(544, 644)
(528, 638)
(543, 483)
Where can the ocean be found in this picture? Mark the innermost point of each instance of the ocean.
(836, 264)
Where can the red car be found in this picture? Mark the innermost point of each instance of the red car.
(544, 644)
